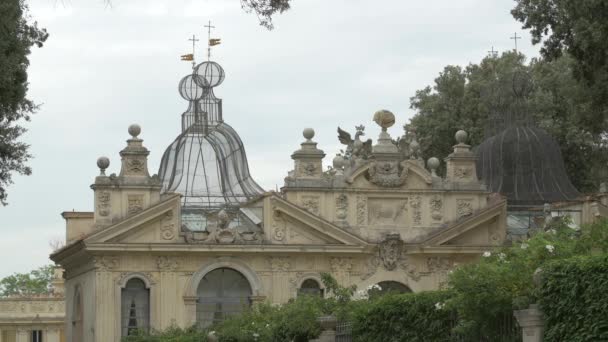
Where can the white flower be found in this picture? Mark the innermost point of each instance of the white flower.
(550, 248)
(487, 254)
(502, 256)
(552, 231)
(267, 325)
(439, 306)
(256, 335)
(524, 245)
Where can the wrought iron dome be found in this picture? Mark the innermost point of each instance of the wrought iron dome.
(206, 163)
(520, 160)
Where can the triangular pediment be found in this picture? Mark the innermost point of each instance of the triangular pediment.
(155, 224)
(485, 227)
(295, 225)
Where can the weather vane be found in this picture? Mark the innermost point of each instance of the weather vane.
(211, 41)
(515, 38)
(190, 56)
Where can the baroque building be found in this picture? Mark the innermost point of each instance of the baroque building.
(201, 239)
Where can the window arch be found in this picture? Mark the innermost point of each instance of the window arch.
(134, 307)
(77, 316)
(310, 287)
(221, 292)
(389, 286)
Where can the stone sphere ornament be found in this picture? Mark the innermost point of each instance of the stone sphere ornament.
(461, 136)
(384, 119)
(338, 162)
(103, 163)
(308, 133)
(134, 130)
(433, 163)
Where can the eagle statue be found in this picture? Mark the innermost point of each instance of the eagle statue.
(355, 147)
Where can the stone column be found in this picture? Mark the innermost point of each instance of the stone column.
(52, 334)
(23, 335)
(531, 321)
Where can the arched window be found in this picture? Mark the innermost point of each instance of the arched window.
(135, 307)
(310, 287)
(221, 292)
(389, 286)
(77, 317)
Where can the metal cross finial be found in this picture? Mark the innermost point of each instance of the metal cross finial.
(193, 40)
(515, 38)
(493, 53)
(209, 27)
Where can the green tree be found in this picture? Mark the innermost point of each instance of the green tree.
(22, 284)
(464, 98)
(17, 36)
(265, 9)
(576, 27)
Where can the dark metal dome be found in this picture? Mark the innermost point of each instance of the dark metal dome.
(206, 163)
(524, 164)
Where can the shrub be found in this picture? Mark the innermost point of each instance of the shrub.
(412, 317)
(574, 300)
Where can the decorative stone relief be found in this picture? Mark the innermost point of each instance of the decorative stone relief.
(135, 165)
(166, 263)
(371, 266)
(8, 307)
(462, 173)
(439, 264)
(464, 207)
(390, 251)
(389, 173)
(294, 280)
(341, 264)
(280, 264)
(311, 204)
(415, 203)
(411, 269)
(383, 212)
(278, 226)
(167, 229)
(103, 203)
(436, 205)
(105, 263)
(135, 204)
(361, 210)
(308, 169)
(341, 207)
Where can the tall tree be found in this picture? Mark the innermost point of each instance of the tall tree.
(265, 9)
(464, 98)
(576, 27)
(17, 36)
(23, 284)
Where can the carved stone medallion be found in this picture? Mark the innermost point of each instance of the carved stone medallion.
(135, 204)
(387, 173)
(390, 251)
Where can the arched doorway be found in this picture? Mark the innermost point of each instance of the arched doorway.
(389, 286)
(135, 307)
(221, 292)
(310, 287)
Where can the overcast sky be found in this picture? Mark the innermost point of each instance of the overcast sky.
(327, 63)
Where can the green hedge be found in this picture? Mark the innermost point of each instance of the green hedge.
(412, 317)
(574, 299)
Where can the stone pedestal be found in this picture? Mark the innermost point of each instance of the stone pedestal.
(531, 321)
(328, 329)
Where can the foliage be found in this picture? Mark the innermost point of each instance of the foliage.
(573, 299)
(17, 36)
(23, 284)
(411, 317)
(463, 98)
(504, 279)
(265, 9)
(576, 27)
(172, 334)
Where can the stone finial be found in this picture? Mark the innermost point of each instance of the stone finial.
(103, 163)
(308, 133)
(338, 163)
(461, 136)
(384, 119)
(433, 164)
(134, 130)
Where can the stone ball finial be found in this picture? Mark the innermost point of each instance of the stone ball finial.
(308, 133)
(134, 130)
(432, 163)
(338, 162)
(461, 136)
(384, 118)
(103, 163)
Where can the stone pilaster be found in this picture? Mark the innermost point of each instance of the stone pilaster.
(23, 335)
